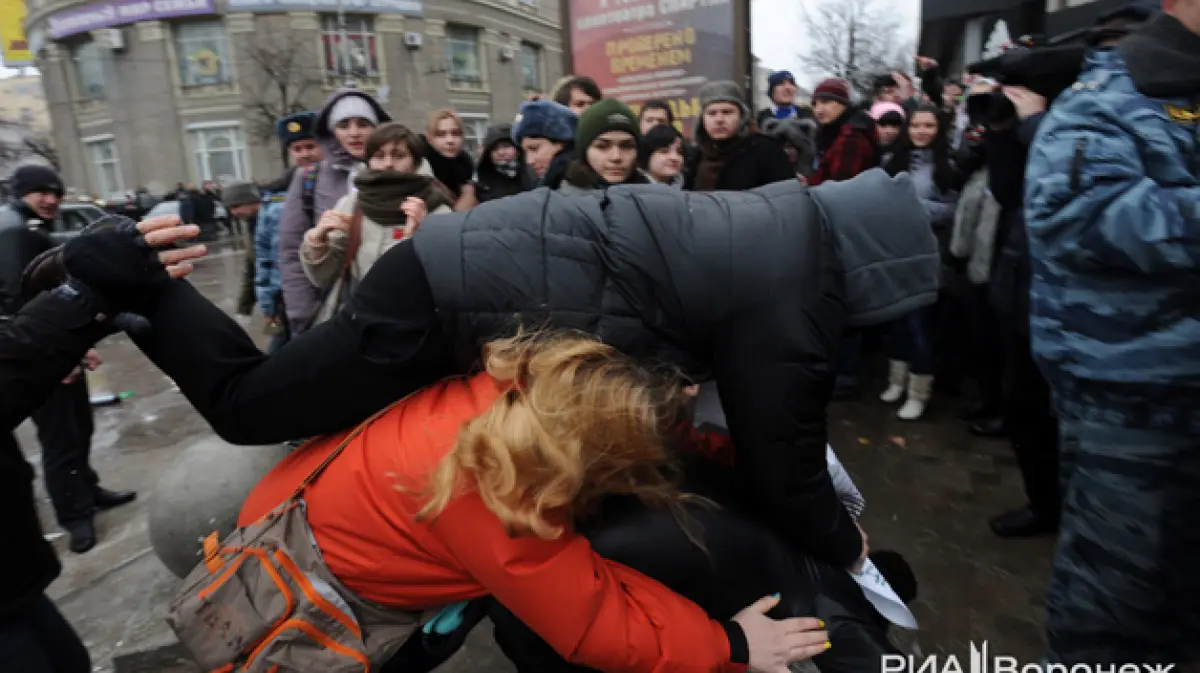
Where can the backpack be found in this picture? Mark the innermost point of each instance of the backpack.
(263, 600)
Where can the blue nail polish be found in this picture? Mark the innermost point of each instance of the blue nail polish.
(776, 595)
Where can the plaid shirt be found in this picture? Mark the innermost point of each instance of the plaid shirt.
(853, 152)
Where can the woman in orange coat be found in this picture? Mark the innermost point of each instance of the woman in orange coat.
(470, 488)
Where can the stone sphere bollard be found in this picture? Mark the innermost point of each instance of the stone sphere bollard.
(203, 492)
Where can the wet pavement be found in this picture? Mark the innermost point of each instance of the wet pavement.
(930, 489)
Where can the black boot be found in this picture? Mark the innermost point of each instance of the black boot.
(83, 534)
(1023, 523)
(106, 499)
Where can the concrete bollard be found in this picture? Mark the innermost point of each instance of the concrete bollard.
(203, 492)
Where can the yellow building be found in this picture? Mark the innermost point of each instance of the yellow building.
(23, 103)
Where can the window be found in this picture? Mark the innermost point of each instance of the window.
(89, 70)
(203, 53)
(220, 153)
(531, 67)
(107, 166)
(350, 51)
(474, 130)
(462, 50)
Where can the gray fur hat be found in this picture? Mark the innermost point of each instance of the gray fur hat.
(240, 194)
(723, 91)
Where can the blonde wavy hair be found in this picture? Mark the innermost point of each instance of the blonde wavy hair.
(580, 422)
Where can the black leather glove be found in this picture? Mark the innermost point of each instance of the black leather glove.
(110, 262)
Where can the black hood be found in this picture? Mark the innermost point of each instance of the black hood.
(334, 151)
(1163, 58)
(495, 134)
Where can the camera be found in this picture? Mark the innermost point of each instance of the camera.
(1046, 70)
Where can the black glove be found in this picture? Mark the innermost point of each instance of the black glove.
(114, 260)
(109, 262)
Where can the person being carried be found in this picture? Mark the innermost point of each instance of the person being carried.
(545, 483)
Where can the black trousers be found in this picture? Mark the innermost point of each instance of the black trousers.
(739, 562)
(40, 640)
(64, 427)
(987, 348)
(1031, 425)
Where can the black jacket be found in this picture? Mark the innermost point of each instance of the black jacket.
(759, 161)
(19, 244)
(38, 347)
(752, 289)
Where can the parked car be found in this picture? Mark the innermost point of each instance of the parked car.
(208, 231)
(72, 218)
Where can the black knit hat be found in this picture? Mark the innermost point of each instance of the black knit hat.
(29, 179)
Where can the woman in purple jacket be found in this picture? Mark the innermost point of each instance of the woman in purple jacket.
(342, 127)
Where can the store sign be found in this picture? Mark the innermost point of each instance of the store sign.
(108, 14)
(15, 47)
(406, 7)
(637, 50)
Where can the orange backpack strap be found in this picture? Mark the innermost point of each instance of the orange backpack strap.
(316, 471)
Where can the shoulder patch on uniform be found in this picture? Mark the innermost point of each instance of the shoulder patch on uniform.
(1183, 115)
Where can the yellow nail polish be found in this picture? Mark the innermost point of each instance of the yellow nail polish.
(821, 623)
(828, 645)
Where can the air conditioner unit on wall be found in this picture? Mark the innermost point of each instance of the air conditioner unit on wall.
(413, 40)
(116, 39)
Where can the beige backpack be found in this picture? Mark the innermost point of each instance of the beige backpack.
(263, 600)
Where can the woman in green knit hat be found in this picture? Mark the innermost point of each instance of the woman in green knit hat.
(606, 140)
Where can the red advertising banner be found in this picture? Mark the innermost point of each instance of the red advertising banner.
(638, 50)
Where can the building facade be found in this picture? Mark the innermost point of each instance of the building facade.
(24, 123)
(960, 32)
(148, 93)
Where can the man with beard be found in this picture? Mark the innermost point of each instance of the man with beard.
(64, 422)
(1113, 211)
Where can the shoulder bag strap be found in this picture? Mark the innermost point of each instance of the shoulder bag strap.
(316, 471)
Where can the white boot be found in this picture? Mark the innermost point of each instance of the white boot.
(897, 377)
(920, 388)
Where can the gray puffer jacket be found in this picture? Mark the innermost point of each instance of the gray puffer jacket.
(752, 289)
(301, 299)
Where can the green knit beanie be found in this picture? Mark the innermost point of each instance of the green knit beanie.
(606, 114)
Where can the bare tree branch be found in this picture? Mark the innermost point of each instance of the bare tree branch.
(854, 40)
(19, 142)
(281, 68)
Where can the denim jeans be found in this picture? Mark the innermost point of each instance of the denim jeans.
(912, 341)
